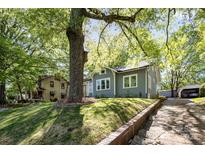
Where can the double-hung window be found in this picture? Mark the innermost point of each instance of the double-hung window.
(130, 81)
(103, 84)
(51, 83)
(62, 86)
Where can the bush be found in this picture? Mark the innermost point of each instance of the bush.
(202, 90)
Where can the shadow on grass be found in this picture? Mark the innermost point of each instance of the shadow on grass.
(46, 125)
(66, 129)
(19, 126)
(123, 109)
(80, 124)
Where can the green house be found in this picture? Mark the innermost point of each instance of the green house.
(142, 81)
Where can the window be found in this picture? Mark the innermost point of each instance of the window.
(103, 84)
(103, 72)
(130, 81)
(51, 83)
(133, 81)
(107, 84)
(98, 85)
(126, 82)
(62, 96)
(52, 93)
(62, 86)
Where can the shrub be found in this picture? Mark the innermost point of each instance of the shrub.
(202, 90)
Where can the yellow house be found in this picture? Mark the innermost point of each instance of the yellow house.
(51, 88)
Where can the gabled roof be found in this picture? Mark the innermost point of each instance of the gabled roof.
(141, 65)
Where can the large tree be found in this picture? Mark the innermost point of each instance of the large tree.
(46, 32)
(122, 17)
(76, 39)
(183, 63)
(24, 51)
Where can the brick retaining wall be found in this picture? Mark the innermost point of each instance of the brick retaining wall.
(128, 130)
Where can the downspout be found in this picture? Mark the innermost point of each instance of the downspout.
(92, 83)
(146, 83)
(114, 76)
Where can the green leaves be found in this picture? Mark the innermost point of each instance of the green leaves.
(33, 43)
(184, 56)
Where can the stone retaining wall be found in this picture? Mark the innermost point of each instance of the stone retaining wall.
(128, 130)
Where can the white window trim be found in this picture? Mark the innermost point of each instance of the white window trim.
(101, 86)
(130, 81)
(103, 73)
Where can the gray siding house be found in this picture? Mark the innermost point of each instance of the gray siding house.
(142, 81)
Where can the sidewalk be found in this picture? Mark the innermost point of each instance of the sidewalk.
(178, 121)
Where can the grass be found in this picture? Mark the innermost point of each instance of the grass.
(81, 124)
(199, 101)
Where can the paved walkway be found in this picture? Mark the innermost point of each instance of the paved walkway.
(178, 121)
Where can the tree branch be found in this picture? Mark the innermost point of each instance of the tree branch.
(100, 38)
(135, 36)
(97, 14)
(126, 35)
(167, 28)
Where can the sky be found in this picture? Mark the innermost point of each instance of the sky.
(177, 20)
(94, 27)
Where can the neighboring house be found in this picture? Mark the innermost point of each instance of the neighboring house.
(53, 88)
(142, 81)
(189, 91)
(50, 88)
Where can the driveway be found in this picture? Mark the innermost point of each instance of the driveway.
(178, 121)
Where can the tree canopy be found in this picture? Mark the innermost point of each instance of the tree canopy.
(34, 42)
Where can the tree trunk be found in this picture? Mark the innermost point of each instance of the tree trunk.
(20, 91)
(172, 83)
(76, 41)
(2, 93)
(177, 81)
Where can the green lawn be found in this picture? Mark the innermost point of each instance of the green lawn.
(199, 101)
(82, 124)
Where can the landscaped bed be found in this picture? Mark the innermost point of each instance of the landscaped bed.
(81, 124)
(199, 101)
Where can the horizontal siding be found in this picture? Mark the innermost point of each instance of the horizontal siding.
(138, 91)
(104, 93)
